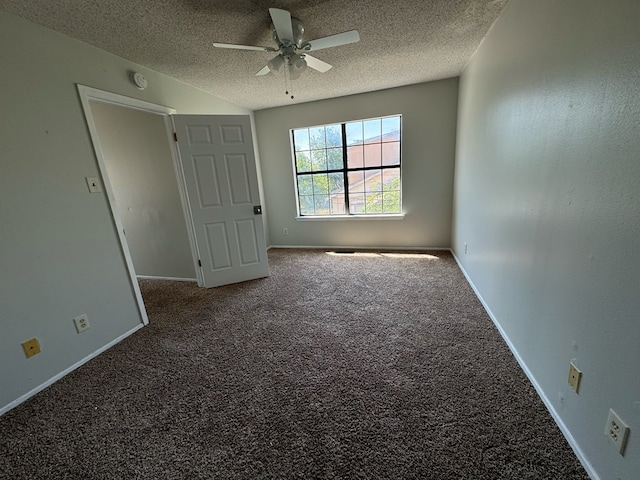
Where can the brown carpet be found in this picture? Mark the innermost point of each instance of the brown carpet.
(336, 366)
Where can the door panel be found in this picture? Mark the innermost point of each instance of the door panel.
(239, 179)
(218, 244)
(207, 181)
(232, 134)
(246, 232)
(218, 162)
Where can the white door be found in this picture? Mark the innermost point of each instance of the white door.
(219, 168)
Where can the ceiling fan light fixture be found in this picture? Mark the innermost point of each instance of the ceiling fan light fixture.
(297, 65)
(276, 63)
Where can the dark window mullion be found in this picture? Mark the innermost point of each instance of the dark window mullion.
(295, 164)
(364, 169)
(333, 170)
(295, 156)
(345, 171)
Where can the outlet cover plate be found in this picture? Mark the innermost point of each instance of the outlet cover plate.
(574, 377)
(82, 323)
(617, 431)
(31, 347)
(94, 184)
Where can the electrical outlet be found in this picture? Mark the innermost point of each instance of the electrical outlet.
(82, 323)
(466, 248)
(31, 347)
(617, 431)
(574, 377)
(285, 231)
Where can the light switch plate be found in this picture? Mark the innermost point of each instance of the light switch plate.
(574, 377)
(94, 184)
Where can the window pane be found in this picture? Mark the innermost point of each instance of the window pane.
(303, 161)
(305, 185)
(391, 153)
(321, 204)
(334, 136)
(301, 139)
(336, 183)
(306, 205)
(390, 129)
(356, 203)
(318, 160)
(337, 205)
(373, 203)
(336, 190)
(372, 155)
(320, 184)
(391, 202)
(356, 182)
(334, 158)
(316, 137)
(355, 157)
(391, 179)
(373, 182)
(354, 133)
(372, 131)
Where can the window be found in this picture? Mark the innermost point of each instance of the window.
(363, 155)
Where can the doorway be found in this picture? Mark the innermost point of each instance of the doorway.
(141, 172)
(214, 161)
(131, 203)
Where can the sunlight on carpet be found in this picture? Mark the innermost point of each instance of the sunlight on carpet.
(423, 256)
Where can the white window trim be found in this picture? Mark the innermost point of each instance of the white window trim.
(351, 216)
(356, 217)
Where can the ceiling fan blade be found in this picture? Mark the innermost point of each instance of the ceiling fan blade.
(352, 36)
(245, 47)
(263, 71)
(317, 64)
(282, 23)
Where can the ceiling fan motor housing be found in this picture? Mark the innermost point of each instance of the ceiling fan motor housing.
(298, 32)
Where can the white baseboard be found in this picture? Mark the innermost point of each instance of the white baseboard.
(543, 396)
(76, 365)
(175, 279)
(356, 247)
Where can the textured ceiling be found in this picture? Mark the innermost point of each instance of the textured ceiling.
(402, 41)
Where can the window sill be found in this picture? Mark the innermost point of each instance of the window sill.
(321, 218)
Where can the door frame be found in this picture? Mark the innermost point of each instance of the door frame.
(89, 94)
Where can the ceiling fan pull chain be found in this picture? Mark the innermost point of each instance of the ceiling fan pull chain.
(288, 85)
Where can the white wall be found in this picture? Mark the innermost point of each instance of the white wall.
(547, 197)
(140, 167)
(59, 252)
(428, 149)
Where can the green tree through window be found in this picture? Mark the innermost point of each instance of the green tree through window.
(349, 168)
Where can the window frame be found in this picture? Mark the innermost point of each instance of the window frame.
(345, 170)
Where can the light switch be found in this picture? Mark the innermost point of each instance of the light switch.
(94, 184)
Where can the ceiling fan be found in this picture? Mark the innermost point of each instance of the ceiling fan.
(292, 50)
